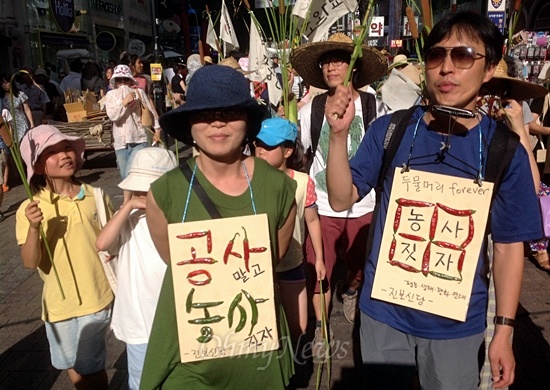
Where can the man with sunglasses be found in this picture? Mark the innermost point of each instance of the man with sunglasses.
(325, 65)
(397, 342)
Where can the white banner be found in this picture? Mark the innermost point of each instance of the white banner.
(211, 37)
(259, 61)
(407, 27)
(227, 32)
(322, 15)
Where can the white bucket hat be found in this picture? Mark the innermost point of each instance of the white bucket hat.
(147, 166)
(121, 71)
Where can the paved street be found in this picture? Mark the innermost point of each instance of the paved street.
(25, 358)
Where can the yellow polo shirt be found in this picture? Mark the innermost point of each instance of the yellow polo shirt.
(71, 226)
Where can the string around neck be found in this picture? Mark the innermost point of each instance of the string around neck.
(188, 198)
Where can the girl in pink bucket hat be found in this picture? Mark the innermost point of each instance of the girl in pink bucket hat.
(77, 312)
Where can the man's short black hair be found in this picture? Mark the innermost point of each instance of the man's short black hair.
(475, 26)
(76, 65)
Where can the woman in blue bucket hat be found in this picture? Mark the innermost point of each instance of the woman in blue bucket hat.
(219, 118)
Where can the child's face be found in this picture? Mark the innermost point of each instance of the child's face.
(275, 156)
(57, 161)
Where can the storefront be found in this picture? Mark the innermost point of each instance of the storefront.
(107, 18)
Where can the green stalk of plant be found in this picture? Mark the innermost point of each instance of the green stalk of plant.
(358, 42)
(282, 25)
(16, 153)
(324, 333)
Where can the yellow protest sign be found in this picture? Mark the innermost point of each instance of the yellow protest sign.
(434, 231)
(156, 71)
(223, 287)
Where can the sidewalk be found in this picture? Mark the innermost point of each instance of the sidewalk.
(25, 358)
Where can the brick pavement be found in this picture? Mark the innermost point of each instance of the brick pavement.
(24, 355)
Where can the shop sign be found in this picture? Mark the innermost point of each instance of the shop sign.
(63, 13)
(135, 46)
(105, 40)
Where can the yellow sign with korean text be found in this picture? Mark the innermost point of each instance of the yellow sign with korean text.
(433, 235)
(223, 287)
(156, 71)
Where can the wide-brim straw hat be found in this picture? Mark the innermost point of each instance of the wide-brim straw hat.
(305, 59)
(213, 87)
(507, 87)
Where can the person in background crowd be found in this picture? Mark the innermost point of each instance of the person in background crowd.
(60, 76)
(5, 119)
(179, 88)
(42, 78)
(324, 65)
(277, 143)
(37, 96)
(398, 342)
(23, 116)
(91, 79)
(136, 66)
(72, 80)
(124, 107)
(107, 80)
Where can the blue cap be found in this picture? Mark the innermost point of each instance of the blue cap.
(275, 131)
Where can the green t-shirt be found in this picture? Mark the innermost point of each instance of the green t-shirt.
(273, 194)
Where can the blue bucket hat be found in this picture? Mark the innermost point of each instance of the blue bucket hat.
(213, 87)
(275, 131)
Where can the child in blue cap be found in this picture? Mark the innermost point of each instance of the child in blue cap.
(276, 144)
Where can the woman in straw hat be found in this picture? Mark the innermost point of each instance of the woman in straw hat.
(219, 118)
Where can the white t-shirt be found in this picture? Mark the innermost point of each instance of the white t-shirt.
(319, 165)
(139, 276)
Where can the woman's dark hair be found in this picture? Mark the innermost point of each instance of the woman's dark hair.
(129, 59)
(472, 25)
(6, 77)
(296, 159)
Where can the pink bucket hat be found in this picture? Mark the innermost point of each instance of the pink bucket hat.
(121, 71)
(39, 138)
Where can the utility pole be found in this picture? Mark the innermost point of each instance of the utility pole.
(395, 18)
(159, 89)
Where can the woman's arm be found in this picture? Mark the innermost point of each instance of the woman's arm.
(313, 223)
(158, 227)
(284, 234)
(28, 114)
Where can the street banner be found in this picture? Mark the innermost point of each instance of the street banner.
(227, 32)
(211, 37)
(259, 61)
(322, 15)
(434, 232)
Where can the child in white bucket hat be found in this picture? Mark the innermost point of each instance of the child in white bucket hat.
(140, 269)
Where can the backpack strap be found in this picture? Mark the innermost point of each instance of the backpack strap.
(368, 104)
(317, 115)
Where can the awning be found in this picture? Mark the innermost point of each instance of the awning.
(64, 39)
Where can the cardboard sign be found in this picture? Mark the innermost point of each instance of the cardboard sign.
(223, 287)
(431, 242)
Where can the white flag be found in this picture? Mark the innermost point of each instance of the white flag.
(259, 61)
(227, 33)
(322, 15)
(211, 38)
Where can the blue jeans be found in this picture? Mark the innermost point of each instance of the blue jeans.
(125, 156)
(136, 358)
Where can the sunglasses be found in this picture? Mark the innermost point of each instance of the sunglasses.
(334, 61)
(223, 115)
(463, 57)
